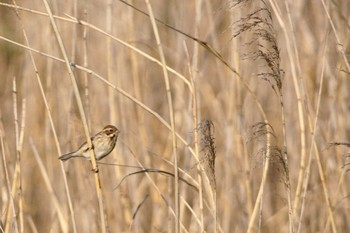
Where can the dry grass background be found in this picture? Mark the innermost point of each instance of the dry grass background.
(307, 191)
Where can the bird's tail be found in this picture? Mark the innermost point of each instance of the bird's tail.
(68, 156)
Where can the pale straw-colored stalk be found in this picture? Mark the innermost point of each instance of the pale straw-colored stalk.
(98, 187)
(171, 116)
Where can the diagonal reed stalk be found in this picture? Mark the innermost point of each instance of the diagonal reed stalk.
(64, 226)
(124, 72)
(17, 179)
(55, 201)
(300, 91)
(11, 209)
(98, 187)
(204, 44)
(195, 116)
(171, 115)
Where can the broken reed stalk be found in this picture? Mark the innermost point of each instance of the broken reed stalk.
(11, 209)
(19, 145)
(17, 177)
(17, 181)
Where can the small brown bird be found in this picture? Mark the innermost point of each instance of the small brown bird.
(103, 143)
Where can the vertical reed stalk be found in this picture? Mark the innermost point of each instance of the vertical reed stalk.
(64, 227)
(195, 117)
(171, 115)
(11, 209)
(19, 145)
(104, 226)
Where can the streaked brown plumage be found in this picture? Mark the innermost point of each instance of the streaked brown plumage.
(103, 143)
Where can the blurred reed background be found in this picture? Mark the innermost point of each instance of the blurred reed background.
(257, 97)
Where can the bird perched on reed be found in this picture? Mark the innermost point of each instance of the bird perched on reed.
(103, 143)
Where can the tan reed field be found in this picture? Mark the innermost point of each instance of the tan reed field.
(232, 116)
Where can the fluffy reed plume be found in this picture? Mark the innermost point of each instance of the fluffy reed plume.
(259, 23)
(208, 153)
(258, 132)
(265, 52)
(229, 74)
